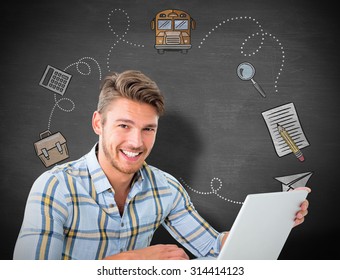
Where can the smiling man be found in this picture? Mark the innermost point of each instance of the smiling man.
(109, 203)
(127, 133)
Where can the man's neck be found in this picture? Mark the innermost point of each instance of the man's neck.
(120, 182)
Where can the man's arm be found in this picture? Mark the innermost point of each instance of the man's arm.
(190, 229)
(41, 235)
(155, 252)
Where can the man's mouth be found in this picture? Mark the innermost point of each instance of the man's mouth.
(130, 154)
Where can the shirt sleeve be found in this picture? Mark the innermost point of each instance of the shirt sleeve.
(188, 227)
(41, 234)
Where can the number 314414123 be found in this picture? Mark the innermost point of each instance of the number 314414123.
(217, 270)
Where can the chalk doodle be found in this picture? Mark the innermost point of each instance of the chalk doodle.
(213, 190)
(119, 23)
(263, 35)
(119, 37)
(260, 32)
(81, 61)
(172, 30)
(51, 148)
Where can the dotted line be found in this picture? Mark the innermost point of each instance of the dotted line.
(230, 20)
(81, 61)
(260, 33)
(57, 102)
(281, 49)
(120, 38)
(213, 190)
(282, 61)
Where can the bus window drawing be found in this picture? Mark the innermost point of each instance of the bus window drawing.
(173, 30)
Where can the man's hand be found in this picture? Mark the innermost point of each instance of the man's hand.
(300, 215)
(155, 252)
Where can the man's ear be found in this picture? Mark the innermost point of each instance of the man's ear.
(97, 123)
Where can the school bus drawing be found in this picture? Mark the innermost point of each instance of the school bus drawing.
(173, 30)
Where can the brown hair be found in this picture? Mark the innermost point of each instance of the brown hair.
(133, 85)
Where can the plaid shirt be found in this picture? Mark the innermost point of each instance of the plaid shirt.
(71, 214)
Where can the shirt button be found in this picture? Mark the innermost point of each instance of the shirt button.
(122, 224)
(109, 190)
(111, 205)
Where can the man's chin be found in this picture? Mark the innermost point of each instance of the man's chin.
(128, 170)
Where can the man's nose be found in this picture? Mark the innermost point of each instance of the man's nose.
(136, 138)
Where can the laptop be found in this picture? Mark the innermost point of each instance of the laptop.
(262, 226)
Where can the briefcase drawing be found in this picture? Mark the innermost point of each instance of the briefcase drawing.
(51, 148)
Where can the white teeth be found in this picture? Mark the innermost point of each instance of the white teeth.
(130, 154)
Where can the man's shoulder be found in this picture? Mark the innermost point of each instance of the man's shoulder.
(162, 176)
(72, 168)
(56, 179)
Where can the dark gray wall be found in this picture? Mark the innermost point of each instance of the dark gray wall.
(213, 127)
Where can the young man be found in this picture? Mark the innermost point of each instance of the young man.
(109, 203)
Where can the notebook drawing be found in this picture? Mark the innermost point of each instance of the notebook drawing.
(285, 116)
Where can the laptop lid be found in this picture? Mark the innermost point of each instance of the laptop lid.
(262, 226)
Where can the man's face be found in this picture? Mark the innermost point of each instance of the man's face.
(127, 136)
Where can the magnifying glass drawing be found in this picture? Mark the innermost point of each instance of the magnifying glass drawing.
(246, 72)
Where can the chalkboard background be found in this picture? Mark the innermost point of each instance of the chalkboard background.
(213, 133)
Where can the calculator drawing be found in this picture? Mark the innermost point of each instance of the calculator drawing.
(55, 80)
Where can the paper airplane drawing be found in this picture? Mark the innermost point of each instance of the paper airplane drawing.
(291, 182)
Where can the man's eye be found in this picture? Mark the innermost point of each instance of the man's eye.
(123, 126)
(149, 129)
